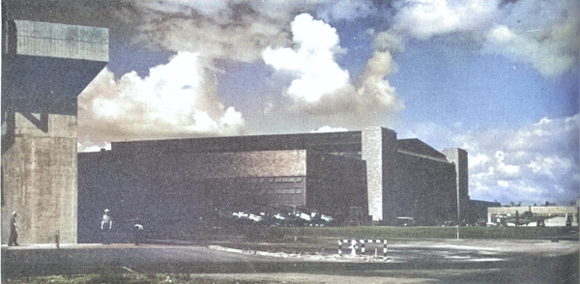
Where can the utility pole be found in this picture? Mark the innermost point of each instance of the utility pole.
(458, 209)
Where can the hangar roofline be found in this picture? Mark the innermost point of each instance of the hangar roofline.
(331, 141)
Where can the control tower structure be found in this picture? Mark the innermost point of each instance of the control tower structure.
(45, 66)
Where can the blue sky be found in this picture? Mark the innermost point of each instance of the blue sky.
(499, 79)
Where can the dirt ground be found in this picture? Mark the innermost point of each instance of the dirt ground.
(377, 277)
(373, 277)
(470, 261)
(301, 278)
(544, 249)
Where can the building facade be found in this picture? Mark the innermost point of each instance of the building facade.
(426, 184)
(187, 179)
(459, 158)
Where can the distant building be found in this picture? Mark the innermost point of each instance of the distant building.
(331, 172)
(549, 216)
(477, 211)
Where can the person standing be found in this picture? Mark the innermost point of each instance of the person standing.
(13, 239)
(137, 233)
(106, 226)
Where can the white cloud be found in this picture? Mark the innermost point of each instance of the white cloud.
(426, 18)
(206, 8)
(374, 86)
(478, 159)
(317, 74)
(319, 86)
(508, 170)
(93, 147)
(503, 183)
(328, 128)
(533, 164)
(389, 41)
(173, 101)
(551, 51)
(548, 166)
(543, 34)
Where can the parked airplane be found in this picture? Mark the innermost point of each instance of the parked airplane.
(281, 216)
(525, 219)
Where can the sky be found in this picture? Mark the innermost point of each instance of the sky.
(498, 78)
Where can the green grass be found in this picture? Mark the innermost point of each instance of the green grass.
(324, 239)
(254, 233)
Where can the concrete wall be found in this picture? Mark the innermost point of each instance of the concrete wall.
(379, 146)
(321, 142)
(329, 172)
(45, 66)
(376, 146)
(460, 159)
(335, 184)
(39, 180)
(162, 186)
(426, 189)
(178, 187)
(477, 211)
(48, 65)
(61, 41)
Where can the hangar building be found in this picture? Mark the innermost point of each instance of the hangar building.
(186, 179)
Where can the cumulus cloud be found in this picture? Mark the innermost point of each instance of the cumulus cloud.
(533, 164)
(550, 44)
(388, 41)
(375, 91)
(543, 34)
(319, 86)
(423, 19)
(328, 128)
(540, 33)
(219, 31)
(175, 100)
(312, 63)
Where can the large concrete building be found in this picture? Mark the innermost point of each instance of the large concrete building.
(45, 66)
(459, 158)
(370, 169)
